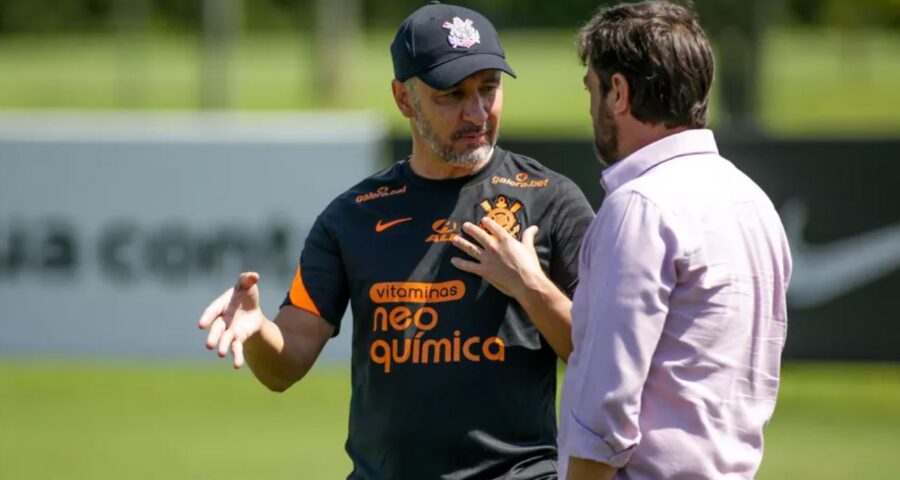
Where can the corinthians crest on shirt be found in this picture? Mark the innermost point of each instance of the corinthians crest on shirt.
(501, 209)
(462, 33)
(504, 211)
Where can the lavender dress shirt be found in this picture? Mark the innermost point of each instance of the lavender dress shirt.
(679, 318)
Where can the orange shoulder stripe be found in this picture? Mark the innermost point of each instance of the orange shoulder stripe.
(300, 297)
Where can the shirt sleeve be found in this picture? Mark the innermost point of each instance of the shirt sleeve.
(573, 215)
(320, 284)
(630, 273)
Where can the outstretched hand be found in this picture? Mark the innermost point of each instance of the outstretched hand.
(509, 265)
(233, 318)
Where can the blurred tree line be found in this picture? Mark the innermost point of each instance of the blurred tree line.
(47, 16)
(736, 28)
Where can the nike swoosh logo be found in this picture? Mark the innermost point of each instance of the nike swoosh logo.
(380, 227)
(824, 272)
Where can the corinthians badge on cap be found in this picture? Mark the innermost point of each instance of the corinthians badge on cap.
(462, 33)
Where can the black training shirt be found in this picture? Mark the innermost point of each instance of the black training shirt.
(450, 378)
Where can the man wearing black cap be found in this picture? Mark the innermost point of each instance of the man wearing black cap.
(453, 376)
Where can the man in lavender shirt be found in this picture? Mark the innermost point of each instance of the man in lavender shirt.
(679, 318)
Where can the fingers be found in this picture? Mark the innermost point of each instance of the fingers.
(225, 342)
(237, 351)
(215, 309)
(495, 229)
(217, 317)
(224, 337)
(528, 236)
(467, 246)
(467, 266)
(492, 231)
(246, 280)
(228, 341)
(215, 333)
(483, 238)
(246, 294)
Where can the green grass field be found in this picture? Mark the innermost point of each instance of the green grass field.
(195, 421)
(812, 83)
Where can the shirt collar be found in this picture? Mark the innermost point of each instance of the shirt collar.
(688, 142)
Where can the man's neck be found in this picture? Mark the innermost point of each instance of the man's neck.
(643, 136)
(425, 163)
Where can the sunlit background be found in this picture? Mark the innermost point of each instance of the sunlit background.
(152, 149)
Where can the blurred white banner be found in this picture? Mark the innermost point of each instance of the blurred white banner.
(117, 229)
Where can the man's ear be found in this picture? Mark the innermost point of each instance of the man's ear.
(402, 97)
(619, 97)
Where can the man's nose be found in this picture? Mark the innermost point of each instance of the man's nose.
(476, 109)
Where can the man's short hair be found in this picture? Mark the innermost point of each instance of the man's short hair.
(663, 53)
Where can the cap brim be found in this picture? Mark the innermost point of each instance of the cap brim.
(454, 71)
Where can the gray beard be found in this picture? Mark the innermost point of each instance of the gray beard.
(470, 158)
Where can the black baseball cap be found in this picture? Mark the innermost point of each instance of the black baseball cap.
(443, 44)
